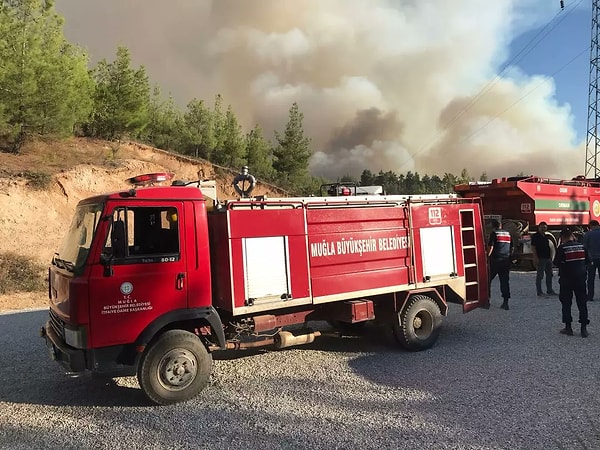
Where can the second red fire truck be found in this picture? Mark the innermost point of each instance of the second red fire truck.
(521, 203)
(153, 280)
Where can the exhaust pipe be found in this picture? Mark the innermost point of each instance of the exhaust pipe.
(243, 345)
(281, 340)
(285, 339)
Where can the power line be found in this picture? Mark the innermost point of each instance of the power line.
(531, 44)
(528, 48)
(524, 96)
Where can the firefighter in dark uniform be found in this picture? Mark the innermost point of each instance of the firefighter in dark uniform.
(572, 259)
(500, 249)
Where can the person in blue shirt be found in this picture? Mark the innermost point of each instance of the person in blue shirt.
(591, 242)
(571, 259)
(500, 249)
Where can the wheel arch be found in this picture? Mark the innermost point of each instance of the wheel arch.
(428, 292)
(185, 319)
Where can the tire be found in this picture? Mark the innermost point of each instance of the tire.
(174, 368)
(418, 324)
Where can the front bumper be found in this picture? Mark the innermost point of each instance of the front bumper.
(72, 359)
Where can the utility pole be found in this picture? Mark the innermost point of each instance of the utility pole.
(593, 121)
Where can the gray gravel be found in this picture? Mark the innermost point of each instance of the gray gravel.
(495, 379)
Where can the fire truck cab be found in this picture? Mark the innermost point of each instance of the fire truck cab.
(152, 280)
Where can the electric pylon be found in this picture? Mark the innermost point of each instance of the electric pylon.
(593, 121)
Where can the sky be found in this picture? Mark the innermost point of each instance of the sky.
(561, 50)
(432, 86)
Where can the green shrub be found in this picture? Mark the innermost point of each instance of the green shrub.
(21, 274)
(38, 180)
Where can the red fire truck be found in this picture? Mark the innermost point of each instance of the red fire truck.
(152, 280)
(521, 203)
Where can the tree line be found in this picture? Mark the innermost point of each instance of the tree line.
(411, 183)
(48, 88)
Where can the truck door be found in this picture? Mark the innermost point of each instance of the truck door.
(141, 272)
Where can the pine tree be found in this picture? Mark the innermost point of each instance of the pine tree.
(450, 181)
(437, 186)
(199, 132)
(390, 182)
(464, 176)
(44, 83)
(166, 121)
(292, 152)
(347, 178)
(121, 98)
(218, 125)
(233, 142)
(259, 154)
(150, 134)
(366, 178)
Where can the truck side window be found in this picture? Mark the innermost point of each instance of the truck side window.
(143, 234)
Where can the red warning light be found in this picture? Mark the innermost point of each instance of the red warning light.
(150, 178)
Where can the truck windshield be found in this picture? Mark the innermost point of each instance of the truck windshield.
(75, 247)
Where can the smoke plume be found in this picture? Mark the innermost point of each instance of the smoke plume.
(383, 84)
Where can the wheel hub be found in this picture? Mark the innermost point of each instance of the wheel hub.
(423, 324)
(417, 323)
(177, 369)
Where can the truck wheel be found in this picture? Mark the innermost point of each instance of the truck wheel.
(174, 368)
(418, 325)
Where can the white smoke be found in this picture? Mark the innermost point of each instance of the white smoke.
(383, 85)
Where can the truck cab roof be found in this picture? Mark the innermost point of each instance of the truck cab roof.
(151, 193)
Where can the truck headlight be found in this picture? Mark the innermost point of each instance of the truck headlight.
(75, 337)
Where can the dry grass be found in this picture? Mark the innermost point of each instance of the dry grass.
(52, 156)
(17, 301)
(38, 180)
(20, 274)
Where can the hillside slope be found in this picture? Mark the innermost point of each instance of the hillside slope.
(35, 216)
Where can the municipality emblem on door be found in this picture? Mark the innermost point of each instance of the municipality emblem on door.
(126, 288)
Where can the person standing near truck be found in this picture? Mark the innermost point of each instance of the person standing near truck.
(500, 248)
(244, 183)
(543, 252)
(591, 242)
(571, 259)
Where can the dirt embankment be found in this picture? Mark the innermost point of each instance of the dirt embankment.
(33, 221)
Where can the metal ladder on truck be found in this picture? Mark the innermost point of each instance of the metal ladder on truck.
(470, 256)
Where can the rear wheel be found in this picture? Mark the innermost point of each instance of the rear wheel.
(174, 368)
(418, 324)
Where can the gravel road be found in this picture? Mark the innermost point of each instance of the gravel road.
(495, 379)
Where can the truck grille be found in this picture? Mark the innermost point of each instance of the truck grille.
(57, 325)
